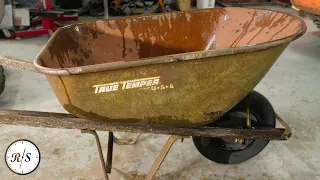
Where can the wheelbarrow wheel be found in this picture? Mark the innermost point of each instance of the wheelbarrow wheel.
(233, 151)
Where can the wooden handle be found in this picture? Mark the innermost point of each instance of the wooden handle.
(67, 121)
(17, 63)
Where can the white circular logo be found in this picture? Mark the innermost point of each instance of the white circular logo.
(22, 157)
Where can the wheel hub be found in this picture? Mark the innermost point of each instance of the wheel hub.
(232, 151)
(235, 119)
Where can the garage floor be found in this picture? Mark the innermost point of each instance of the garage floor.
(292, 86)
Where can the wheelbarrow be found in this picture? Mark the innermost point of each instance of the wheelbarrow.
(182, 74)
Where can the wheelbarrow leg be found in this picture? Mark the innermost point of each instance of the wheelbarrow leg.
(126, 141)
(110, 152)
(163, 153)
(105, 167)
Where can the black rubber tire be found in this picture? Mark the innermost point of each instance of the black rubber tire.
(2, 79)
(261, 108)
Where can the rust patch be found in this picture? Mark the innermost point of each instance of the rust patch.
(133, 38)
(65, 89)
(213, 115)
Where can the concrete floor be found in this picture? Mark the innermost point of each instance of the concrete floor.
(292, 86)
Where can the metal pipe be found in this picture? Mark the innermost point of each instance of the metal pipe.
(110, 152)
(288, 131)
(248, 112)
(94, 133)
(162, 155)
(106, 9)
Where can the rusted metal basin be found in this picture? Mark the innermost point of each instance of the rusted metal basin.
(174, 68)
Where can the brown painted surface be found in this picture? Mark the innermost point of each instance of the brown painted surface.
(310, 6)
(133, 38)
(207, 61)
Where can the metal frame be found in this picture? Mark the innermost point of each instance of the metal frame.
(107, 166)
(67, 121)
(162, 155)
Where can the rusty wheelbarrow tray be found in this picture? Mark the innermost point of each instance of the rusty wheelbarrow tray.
(181, 68)
(182, 74)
